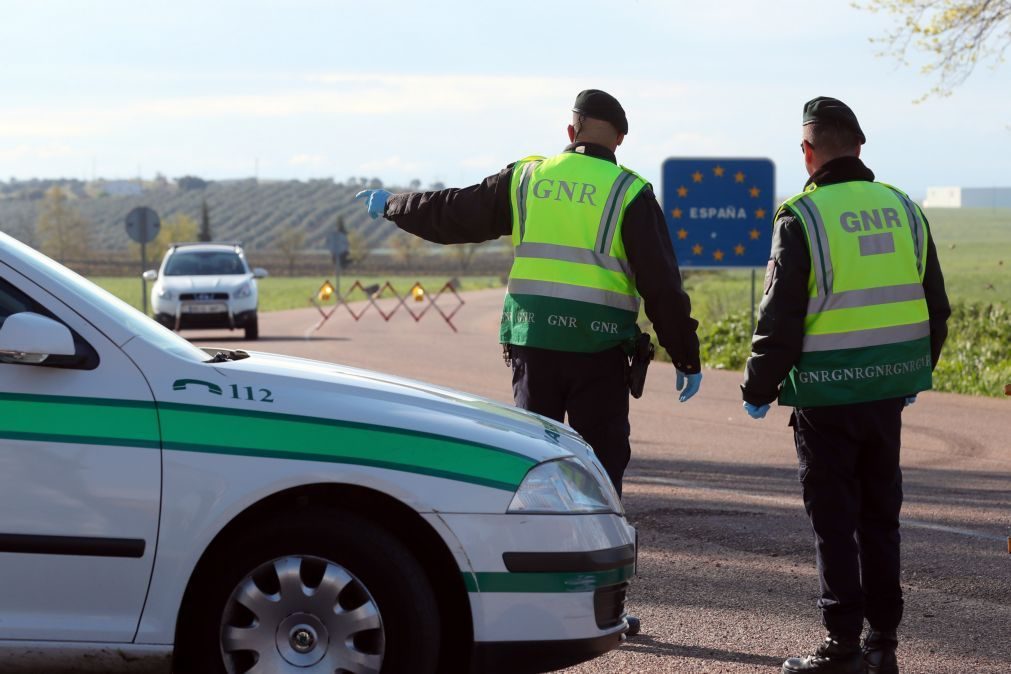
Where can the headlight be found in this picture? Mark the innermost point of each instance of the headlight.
(564, 486)
(164, 293)
(245, 290)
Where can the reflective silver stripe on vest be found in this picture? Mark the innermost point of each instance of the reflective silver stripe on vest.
(868, 297)
(861, 338)
(565, 291)
(612, 211)
(521, 195)
(553, 251)
(821, 255)
(916, 227)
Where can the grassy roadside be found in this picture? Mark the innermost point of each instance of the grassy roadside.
(973, 245)
(279, 293)
(974, 249)
(976, 358)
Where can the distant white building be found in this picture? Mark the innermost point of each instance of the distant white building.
(968, 197)
(121, 188)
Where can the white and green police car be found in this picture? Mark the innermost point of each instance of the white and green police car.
(217, 511)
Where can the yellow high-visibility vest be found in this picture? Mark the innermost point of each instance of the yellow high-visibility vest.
(570, 287)
(867, 331)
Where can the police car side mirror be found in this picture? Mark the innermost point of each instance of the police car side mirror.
(150, 275)
(259, 272)
(30, 338)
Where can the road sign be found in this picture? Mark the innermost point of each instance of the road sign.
(337, 243)
(719, 210)
(142, 224)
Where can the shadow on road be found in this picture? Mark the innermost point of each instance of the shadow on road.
(647, 644)
(930, 486)
(707, 544)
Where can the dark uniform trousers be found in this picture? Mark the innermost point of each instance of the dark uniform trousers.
(852, 485)
(590, 387)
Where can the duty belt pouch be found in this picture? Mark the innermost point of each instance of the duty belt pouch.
(638, 363)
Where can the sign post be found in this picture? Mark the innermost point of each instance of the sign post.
(719, 212)
(142, 225)
(339, 247)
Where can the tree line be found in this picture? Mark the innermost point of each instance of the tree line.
(63, 231)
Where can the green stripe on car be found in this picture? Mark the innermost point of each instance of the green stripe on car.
(217, 430)
(545, 582)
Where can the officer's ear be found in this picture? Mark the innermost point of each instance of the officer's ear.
(621, 137)
(572, 133)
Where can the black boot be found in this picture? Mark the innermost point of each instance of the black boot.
(879, 652)
(835, 655)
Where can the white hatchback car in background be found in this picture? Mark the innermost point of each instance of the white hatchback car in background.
(206, 285)
(242, 513)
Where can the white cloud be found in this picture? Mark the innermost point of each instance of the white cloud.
(394, 163)
(484, 162)
(23, 152)
(309, 160)
(341, 96)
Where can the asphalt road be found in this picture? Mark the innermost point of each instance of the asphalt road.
(726, 579)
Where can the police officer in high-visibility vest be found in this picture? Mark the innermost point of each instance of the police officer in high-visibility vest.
(849, 331)
(590, 242)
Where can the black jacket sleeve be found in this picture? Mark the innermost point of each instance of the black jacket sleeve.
(458, 215)
(658, 280)
(937, 300)
(779, 334)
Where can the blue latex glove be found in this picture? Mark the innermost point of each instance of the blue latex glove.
(910, 400)
(756, 411)
(375, 201)
(691, 387)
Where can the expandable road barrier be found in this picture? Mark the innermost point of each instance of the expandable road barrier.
(417, 293)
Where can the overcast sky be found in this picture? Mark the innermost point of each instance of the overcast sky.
(453, 91)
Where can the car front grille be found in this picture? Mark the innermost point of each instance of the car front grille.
(203, 296)
(609, 605)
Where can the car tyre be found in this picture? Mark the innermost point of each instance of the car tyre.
(273, 596)
(253, 328)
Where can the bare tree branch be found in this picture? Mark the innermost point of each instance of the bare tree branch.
(955, 35)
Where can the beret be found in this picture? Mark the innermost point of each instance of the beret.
(601, 105)
(825, 109)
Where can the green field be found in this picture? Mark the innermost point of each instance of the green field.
(280, 293)
(973, 246)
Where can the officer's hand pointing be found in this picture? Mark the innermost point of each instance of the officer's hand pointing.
(692, 386)
(375, 201)
(756, 411)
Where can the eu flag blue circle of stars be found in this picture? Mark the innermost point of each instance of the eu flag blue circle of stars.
(719, 211)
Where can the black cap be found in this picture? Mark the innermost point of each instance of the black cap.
(601, 105)
(825, 109)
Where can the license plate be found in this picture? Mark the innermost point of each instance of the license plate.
(204, 308)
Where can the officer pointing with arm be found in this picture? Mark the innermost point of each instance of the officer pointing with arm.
(590, 240)
(849, 331)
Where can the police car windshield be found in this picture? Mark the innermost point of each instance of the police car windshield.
(116, 309)
(204, 263)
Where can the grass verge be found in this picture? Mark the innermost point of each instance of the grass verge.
(976, 358)
(279, 293)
